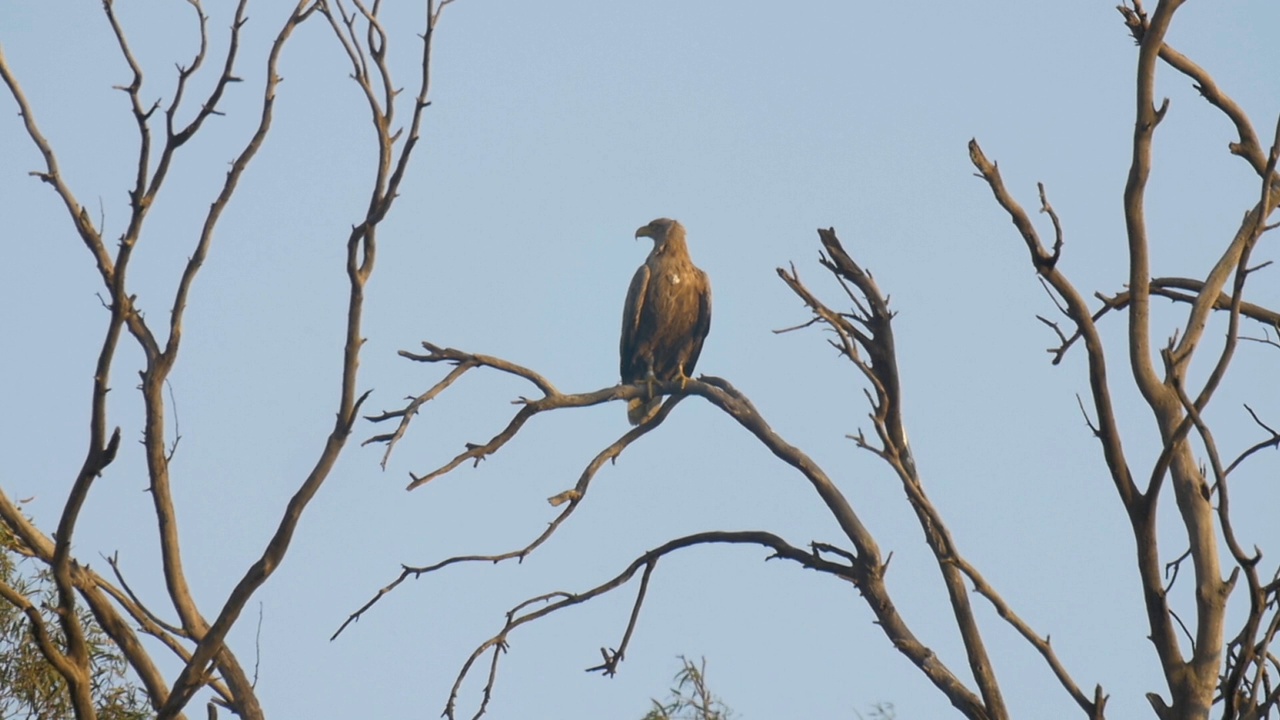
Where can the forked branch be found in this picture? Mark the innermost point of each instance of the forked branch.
(361, 254)
(867, 341)
(555, 601)
(1077, 310)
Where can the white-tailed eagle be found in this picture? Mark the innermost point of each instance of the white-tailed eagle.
(666, 317)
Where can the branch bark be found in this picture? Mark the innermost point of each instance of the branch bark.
(205, 639)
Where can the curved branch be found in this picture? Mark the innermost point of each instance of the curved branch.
(1168, 287)
(1108, 432)
(1233, 260)
(1248, 146)
(574, 497)
(1093, 708)
(52, 174)
(560, 600)
(407, 412)
(613, 656)
(1273, 441)
(1150, 39)
(435, 354)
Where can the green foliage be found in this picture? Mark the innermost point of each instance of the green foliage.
(30, 688)
(690, 699)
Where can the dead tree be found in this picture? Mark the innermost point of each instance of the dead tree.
(1234, 673)
(197, 634)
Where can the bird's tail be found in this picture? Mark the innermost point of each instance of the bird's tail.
(641, 411)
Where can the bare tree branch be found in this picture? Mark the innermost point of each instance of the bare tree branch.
(1108, 431)
(1248, 146)
(1273, 441)
(1168, 287)
(1094, 708)
(1150, 40)
(880, 365)
(574, 497)
(361, 252)
(614, 657)
(406, 414)
(559, 600)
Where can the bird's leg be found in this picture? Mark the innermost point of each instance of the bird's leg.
(649, 380)
(684, 379)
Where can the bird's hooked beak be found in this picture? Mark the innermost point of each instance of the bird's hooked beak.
(645, 231)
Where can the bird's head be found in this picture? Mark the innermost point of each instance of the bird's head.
(661, 230)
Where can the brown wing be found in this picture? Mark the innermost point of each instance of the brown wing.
(703, 324)
(630, 366)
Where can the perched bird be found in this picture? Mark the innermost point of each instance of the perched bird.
(666, 317)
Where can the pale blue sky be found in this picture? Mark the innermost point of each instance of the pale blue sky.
(556, 129)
